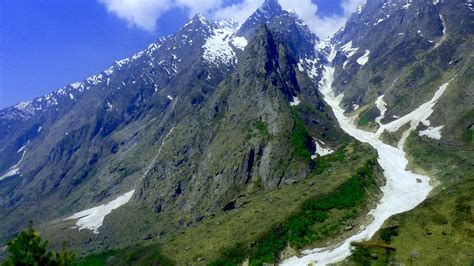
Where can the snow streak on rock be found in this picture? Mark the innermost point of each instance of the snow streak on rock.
(441, 40)
(92, 219)
(15, 169)
(364, 59)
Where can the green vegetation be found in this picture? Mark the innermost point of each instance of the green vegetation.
(370, 253)
(366, 118)
(440, 230)
(29, 249)
(299, 137)
(468, 135)
(325, 162)
(262, 128)
(299, 229)
(136, 255)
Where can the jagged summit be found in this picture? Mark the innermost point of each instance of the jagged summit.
(269, 10)
(271, 6)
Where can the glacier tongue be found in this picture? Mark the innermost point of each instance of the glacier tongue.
(403, 190)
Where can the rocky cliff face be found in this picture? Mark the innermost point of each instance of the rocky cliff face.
(201, 120)
(192, 124)
(404, 50)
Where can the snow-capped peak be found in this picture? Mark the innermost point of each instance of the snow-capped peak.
(220, 47)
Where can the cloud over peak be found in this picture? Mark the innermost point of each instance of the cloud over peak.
(145, 13)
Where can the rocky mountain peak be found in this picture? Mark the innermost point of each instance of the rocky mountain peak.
(269, 10)
(270, 7)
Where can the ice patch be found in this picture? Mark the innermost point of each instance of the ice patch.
(431, 132)
(364, 59)
(92, 219)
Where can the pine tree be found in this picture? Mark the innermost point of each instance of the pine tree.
(29, 249)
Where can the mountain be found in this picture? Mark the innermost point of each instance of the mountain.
(226, 142)
(161, 122)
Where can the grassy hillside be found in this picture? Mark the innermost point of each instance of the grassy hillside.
(214, 237)
(441, 230)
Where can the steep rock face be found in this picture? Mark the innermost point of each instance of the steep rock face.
(239, 139)
(81, 144)
(192, 123)
(405, 50)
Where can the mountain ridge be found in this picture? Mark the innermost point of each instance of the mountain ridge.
(204, 122)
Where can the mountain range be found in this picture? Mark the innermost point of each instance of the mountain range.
(225, 144)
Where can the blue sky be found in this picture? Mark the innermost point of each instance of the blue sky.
(46, 44)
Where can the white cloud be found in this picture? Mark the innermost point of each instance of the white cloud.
(141, 13)
(199, 6)
(240, 11)
(144, 13)
(324, 27)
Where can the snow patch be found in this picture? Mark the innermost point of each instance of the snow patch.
(310, 66)
(382, 106)
(240, 42)
(170, 97)
(295, 101)
(218, 49)
(364, 59)
(320, 150)
(15, 169)
(431, 132)
(76, 85)
(92, 219)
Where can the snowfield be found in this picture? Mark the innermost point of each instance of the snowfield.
(403, 190)
(219, 48)
(92, 219)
